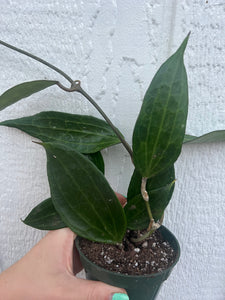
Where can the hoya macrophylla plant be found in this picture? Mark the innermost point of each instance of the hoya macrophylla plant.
(81, 197)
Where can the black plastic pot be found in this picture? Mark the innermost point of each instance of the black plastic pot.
(144, 287)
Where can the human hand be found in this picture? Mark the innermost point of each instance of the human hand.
(47, 273)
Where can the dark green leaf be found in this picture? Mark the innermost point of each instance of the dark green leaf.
(136, 213)
(160, 127)
(82, 196)
(211, 137)
(160, 189)
(44, 217)
(188, 137)
(23, 90)
(97, 159)
(86, 134)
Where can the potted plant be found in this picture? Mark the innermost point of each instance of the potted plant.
(134, 250)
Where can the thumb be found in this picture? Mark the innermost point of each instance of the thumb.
(94, 290)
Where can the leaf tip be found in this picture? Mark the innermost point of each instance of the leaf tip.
(184, 43)
(23, 220)
(39, 143)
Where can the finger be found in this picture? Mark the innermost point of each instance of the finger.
(56, 248)
(92, 290)
(67, 253)
(122, 199)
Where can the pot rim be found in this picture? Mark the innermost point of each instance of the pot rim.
(135, 276)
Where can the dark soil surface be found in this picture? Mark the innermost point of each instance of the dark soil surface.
(150, 256)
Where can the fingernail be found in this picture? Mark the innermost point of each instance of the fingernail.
(120, 296)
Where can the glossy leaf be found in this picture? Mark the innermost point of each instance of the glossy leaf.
(159, 130)
(82, 196)
(211, 137)
(86, 134)
(44, 217)
(23, 90)
(160, 189)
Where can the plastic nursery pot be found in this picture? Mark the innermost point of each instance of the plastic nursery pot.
(145, 287)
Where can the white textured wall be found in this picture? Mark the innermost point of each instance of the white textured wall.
(114, 48)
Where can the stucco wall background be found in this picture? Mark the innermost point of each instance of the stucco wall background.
(114, 48)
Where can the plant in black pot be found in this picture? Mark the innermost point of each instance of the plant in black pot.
(124, 246)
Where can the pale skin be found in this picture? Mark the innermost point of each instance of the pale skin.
(47, 272)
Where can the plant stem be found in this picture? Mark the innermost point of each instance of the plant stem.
(152, 225)
(123, 141)
(38, 59)
(75, 87)
(145, 196)
(143, 237)
(161, 219)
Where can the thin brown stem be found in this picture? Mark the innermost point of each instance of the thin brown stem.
(37, 59)
(75, 87)
(125, 144)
